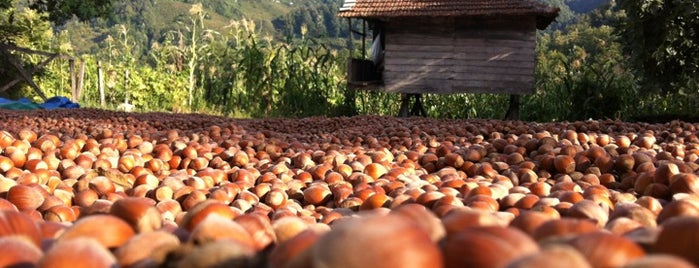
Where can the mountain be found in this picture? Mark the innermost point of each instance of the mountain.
(148, 21)
(569, 9)
(585, 6)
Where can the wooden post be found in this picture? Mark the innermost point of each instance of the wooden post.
(363, 39)
(80, 82)
(73, 82)
(513, 109)
(404, 105)
(350, 45)
(32, 71)
(418, 109)
(126, 87)
(100, 82)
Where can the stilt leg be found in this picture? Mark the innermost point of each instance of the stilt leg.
(513, 110)
(404, 105)
(418, 108)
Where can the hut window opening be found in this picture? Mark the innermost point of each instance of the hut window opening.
(363, 70)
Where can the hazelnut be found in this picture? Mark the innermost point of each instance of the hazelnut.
(78, 252)
(606, 250)
(18, 251)
(17, 223)
(142, 247)
(674, 238)
(382, 235)
(110, 231)
(140, 213)
(466, 247)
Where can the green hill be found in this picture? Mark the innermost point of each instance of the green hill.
(585, 6)
(148, 21)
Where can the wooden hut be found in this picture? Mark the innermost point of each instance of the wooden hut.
(447, 46)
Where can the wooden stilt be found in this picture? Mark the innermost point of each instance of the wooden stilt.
(513, 109)
(418, 109)
(404, 105)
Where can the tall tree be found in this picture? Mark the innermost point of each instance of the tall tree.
(662, 38)
(27, 23)
(62, 10)
(581, 72)
(585, 6)
(59, 11)
(565, 15)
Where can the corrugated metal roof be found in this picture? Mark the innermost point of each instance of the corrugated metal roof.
(348, 5)
(448, 8)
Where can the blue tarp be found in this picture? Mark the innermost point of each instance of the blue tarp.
(58, 102)
(26, 104)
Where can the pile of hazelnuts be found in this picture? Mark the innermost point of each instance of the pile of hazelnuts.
(97, 188)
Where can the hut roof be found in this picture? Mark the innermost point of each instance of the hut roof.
(382, 9)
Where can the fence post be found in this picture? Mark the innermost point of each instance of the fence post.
(80, 82)
(100, 83)
(72, 80)
(126, 87)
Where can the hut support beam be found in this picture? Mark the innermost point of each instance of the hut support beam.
(513, 109)
(417, 110)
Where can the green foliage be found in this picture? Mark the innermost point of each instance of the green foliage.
(5, 4)
(662, 38)
(581, 73)
(62, 10)
(28, 29)
(565, 15)
(28, 25)
(316, 18)
(585, 6)
(261, 78)
(149, 21)
(196, 62)
(377, 102)
(24, 26)
(467, 105)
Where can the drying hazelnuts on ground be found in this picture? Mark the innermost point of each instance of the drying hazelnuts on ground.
(95, 188)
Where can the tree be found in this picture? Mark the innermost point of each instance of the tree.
(662, 39)
(565, 15)
(581, 72)
(585, 6)
(62, 10)
(28, 29)
(28, 24)
(58, 11)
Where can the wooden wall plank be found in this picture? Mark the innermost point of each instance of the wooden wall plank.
(462, 76)
(463, 39)
(463, 70)
(454, 59)
(455, 56)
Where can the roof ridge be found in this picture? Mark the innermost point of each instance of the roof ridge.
(378, 9)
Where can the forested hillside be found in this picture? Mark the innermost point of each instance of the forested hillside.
(570, 9)
(149, 21)
(585, 6)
